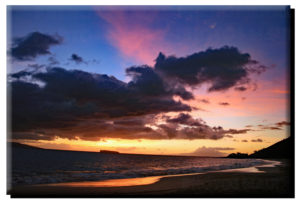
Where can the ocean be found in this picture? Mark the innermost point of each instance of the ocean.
(38, 166)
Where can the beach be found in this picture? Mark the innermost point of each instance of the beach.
(258, 181)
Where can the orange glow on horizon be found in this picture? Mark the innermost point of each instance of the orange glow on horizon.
(160, 147)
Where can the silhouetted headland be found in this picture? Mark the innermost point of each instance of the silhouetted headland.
(281, 149)
(23, 146)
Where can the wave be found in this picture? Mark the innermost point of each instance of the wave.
(57, 176)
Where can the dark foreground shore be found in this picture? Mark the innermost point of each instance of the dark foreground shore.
(268, 182)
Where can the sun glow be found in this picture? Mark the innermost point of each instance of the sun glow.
(159, 147)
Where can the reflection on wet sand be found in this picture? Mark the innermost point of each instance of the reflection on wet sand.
(254, 169)
(151, 180)
(110, 183)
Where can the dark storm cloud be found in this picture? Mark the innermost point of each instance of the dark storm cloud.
(147, 82)
(33, 45)
(20, 74)
(221, 68)
(76, 104)
(130, 122)
(257, 140)
(94, 130)
(68, 97)
(32, 136)
(224, 103)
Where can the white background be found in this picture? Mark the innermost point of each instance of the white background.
(3, 50)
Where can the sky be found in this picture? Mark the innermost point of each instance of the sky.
(192, 80)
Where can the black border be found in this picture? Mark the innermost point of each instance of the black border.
(292, 99)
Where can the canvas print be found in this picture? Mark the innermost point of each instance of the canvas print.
(150, 101)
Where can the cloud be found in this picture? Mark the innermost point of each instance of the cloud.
(186, 119)
(185, 127)
(32, 136)
(221, 68)
(241, 88)
(275, 126)
(244, 140)
(77, 104)
(283, 123)
(147, 82)
(36, 67)
(235, 131)
(134, 34)
(133, 121)
(224, 103)
(70, 97)
(271, 128)
(20, 74)
(53, 61)
(33, 45)
(206, 101)
(257, 140)
(210, 151)
(77, 59)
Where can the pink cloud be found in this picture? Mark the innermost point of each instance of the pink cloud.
(131, 33)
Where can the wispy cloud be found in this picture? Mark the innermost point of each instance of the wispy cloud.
(131, 33)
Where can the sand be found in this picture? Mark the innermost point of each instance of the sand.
(259, 181)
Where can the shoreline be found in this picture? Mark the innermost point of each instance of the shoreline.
(134, 181)
(267, 180)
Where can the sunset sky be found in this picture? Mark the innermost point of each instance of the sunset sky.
(154, 80)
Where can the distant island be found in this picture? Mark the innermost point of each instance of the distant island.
(109, 152)
(281, 149)
(17, 145)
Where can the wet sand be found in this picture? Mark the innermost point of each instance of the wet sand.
(258, 181)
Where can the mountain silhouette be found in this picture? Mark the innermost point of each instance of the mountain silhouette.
(282, 149)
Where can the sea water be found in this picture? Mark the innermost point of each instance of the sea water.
(37, 166)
